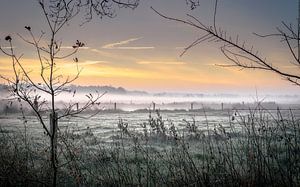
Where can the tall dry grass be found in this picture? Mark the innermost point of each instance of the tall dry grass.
(256, 148)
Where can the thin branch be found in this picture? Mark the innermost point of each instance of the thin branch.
(234, 45)
(215, 16)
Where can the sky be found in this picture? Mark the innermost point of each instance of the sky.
(139, 50)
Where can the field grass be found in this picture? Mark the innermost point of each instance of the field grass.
(257, 148)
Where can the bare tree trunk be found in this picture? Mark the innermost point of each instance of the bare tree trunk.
(53, 143)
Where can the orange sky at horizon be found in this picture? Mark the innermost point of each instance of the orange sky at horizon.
(164, 75)
(139, 50)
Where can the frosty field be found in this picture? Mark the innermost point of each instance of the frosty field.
(104, 125)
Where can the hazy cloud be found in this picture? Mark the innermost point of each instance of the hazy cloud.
(91, 62)
(70, 47)
(162, 62)
(113, 55)
(88, 62)
(8, 47)
(119, 45)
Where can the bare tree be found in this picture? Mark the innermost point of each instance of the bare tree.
(24, 87)
(243, 55)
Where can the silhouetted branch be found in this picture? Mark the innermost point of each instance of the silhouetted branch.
(92, 100)
(101, 8)
(237, 51)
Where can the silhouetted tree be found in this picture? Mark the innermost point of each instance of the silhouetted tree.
(24, 87)
(243, 55)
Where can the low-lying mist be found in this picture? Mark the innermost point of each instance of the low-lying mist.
(121, 99)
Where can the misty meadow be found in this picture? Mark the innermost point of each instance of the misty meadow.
(149, 93)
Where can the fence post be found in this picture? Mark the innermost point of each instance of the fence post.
(77, 107)
(153, 106)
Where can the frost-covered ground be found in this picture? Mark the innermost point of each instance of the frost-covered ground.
(104, 125)
(112, 148)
